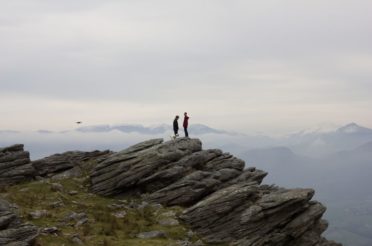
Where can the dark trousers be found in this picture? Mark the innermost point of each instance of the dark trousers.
(175, 131)
(186, 132)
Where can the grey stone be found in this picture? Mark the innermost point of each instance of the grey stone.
(151, 234)
(78, 218)
(143, 205)
(37, 214)
(56, 187)
(157, 206)
(181, 243)
(76, 239)
(15, 165)
(81, 222)
(198, 243)
(170, 214)
(50, 230)
(12, 230)
(120, 214)
(168, 222)
(73, 192)
(57, 204)
(69, 164)
(117, 206)
(190, 234)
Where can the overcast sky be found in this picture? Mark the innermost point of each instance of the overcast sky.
(269, 66)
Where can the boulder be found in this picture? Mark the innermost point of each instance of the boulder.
(15, 165)
(12, 230)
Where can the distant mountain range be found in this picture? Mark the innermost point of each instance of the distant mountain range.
(317, 142)
(321, 143)
(196, 129)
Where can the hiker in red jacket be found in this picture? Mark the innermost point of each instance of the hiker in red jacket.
(186, 124)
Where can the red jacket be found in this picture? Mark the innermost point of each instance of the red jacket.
(186, 122)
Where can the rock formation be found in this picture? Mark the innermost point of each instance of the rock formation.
(126, 170)
(15, 165)
(12, 231)
(224, 201)
(227, 203)
(258, 215)
(68, 164)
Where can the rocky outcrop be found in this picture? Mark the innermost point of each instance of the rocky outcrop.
(124, 171)
(12, 231)
(68, 164)
(226, 203)
(250, 214)
(15, 165)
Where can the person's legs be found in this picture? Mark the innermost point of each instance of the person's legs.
(186, 132)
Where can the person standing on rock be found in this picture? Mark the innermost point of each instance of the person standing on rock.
(175, 126)
(186, 124)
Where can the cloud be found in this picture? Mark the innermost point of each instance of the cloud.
(208, 56)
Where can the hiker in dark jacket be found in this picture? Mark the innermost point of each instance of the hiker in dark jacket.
(186, 124)
(175, 126)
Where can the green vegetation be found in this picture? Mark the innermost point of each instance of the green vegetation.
(103, 227)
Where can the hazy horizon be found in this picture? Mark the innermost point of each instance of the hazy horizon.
(321, 127)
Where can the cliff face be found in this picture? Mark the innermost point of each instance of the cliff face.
(223, 201)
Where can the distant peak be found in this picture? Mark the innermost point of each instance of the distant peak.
(353, 128)
(317, 129)
(352, 124)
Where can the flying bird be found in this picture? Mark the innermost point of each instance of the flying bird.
(79, 122)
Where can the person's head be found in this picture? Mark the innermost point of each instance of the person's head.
(185, 113)
(177, 117)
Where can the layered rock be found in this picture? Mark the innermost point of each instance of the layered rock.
(15, 165)
(124, 171)
(259, 215)
(227, 203)
(12, 231)
(68, 164)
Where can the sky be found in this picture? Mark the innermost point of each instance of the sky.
(249, 66)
